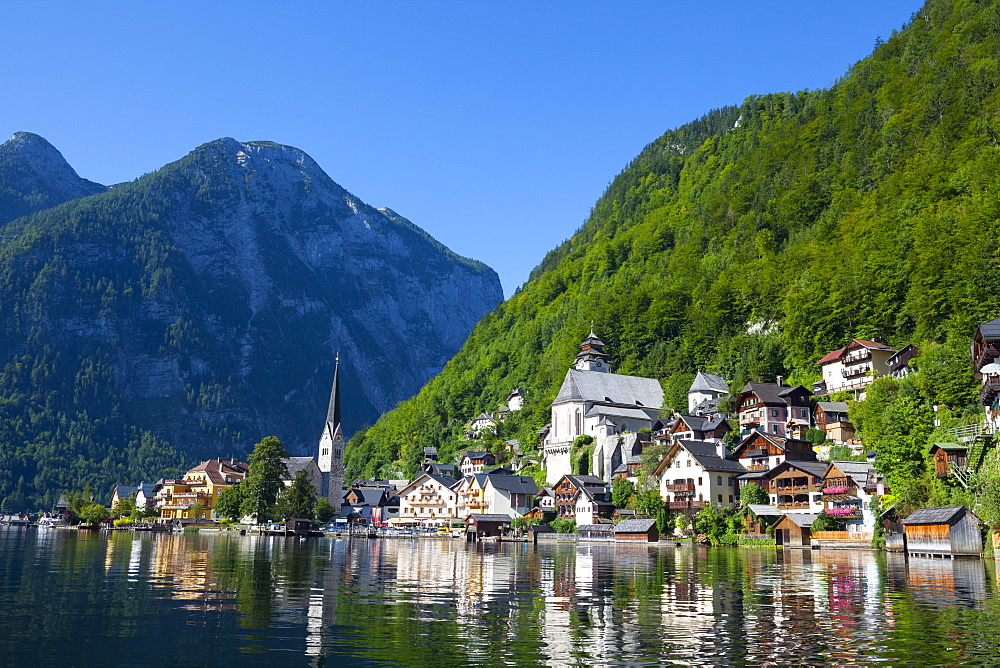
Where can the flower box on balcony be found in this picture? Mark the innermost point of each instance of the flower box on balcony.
(834, 490)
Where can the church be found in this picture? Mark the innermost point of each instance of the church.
(330, 458)
(598, 403)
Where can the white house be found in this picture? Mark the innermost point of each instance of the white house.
(706, 389)
(515, 401)
(429, 499)
(593, 401)
(695, 474)
(854, 366)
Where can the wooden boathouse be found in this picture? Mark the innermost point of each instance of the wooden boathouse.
(952, 531)
(641, 531)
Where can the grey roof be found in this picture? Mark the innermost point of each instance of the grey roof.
(475, 454)
(833, 406)
(430, 450)
(859, 472)
(492, 517)
(801, 519)
(610, 388)
(149, 488)
(694, 422)
(296, 464)
(946, 515)
(991, 329)
(707, 382)
(764, 510)
(515, 484)
(125, 491)
(771, 394)
(634, 526)
(603, 528)
(441, 479)
(612, 411)
(370, 496)
(812, 468)
(541, 528)
(581, 481)
(753, 475)
(706, 454)
(626, 511)
(441, 469)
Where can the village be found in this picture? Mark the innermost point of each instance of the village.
(769, 464)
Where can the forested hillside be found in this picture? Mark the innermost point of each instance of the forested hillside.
(756, 239)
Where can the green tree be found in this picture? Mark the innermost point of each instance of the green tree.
(298, 500)
(621, 493)
(123, 507)
(751, 493)
(824, 522)
(229, 503)
(264, 481)
(323, 511)
(563, 525)
(197, 511)
(648, 502)
(92, 513)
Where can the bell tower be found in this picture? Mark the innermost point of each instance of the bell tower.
(330, 458)
(592, 356)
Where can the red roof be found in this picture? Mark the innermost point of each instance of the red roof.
(829, 357)
(871, 344)
(855, 343)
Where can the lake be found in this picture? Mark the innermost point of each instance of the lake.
(69, 597)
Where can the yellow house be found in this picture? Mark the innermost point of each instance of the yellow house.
(199, 486)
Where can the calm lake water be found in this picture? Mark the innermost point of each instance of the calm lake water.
(144, 599)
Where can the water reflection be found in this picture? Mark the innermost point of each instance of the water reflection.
(408, 602)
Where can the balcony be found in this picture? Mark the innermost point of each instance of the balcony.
(684, 505)
(796, 505)
(986, 355)
(989, 391)
(856, 371)
(759, 467)
(844, 513)
(681, 488)
(858, 355)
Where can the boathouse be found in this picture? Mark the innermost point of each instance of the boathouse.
(602, 532)
(950, 531)
(485, 526)
(640, 531)
(793, 530)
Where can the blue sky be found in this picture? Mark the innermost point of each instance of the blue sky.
(495, 126)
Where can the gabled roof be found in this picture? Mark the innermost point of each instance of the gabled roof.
(693, 422)
(475, 454)
(908, 349)
(772, 394)
(610, 388)
(296, 464)
(707, 455)
(833, 406)
(440, 479)
(817, 469)
(990, 329)
(946, 515)
(707, 382)
(125, 491)
(634, 526)
(860, 472)
(865, 343)
(371, 496)
(595, 528)
(515, 484)
(801, 519)
(831, 356)
(491, 517)
(764, 510)
(218, 469)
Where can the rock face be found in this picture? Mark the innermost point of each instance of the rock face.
(207, 300)
(35, 176)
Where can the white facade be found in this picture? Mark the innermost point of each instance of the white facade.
(428, 499)
(682, 478)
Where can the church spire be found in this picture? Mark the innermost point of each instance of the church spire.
(333, 411)
(592, 356)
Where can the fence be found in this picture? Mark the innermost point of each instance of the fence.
(841, 535)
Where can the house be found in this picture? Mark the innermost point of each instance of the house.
(759, 452)
(485, 423)
(949, 456)
(199, 488)
(853, 367)
(704, 393)
(473, 462)
(430, 455)
(307, 464)
(951, 531)
(697, 428)
(771, 407)
(446, 470)
(485, 525)
(578, 497)
(598, 532)
(512, 495)
(429, 499)
(760, 516)
(899, 364)
(694, 474)
(793, 530)
(831, 417)
(363, 502)
(515, 401)
(626, 514)
(849, 489)
(119, 492)
(642, 531)
(986, 364)
(796, 486)
(545, 505)
(593, 401)
(145, 495)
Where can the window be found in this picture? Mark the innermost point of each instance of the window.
(718, 481)
(774, 429)
(805, 413)
(730, 481)
(326, 451)
(774, 412)
(720, 498)
(699, 481)
(730, 498)
(689, 464)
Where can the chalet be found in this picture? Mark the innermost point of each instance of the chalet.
(626, 514)
(952, 531)
(796, 486)
(704, 394)
(697, 428)
(793, 530)
(593, 401)
(429, 499)
(430, 455)
(695, 474)
(770, 407)
(831, 417)
(598, 532)
(854, 366)
(582, 498)
(545, 506)
(759, 452)
(760, 516)
(641, 531)
(473, 462)
(947, 457)
(899, 364)
(515, 401)
(849, 489)
(593, 503)
(364, 502)
(181, 498)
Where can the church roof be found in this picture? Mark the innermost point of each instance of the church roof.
(707, 382)
(610, 388)
(611, 411)
(296, 464)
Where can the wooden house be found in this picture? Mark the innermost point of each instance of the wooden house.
(770, 407)
(641, 531)
(602, 532)
(854, 366)
(849, 490)
(899, 364)
(760, 517)
(831, 417)
(793, 530)
(950, 531)
(485, 526)
(948, 455)
(796, 486)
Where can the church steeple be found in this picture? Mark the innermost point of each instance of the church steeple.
(592, 356)
(330, 458)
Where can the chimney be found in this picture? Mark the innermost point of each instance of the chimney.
(780, 378)
(720, 449)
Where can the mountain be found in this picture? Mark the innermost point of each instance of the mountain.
(191, 312)
(754, 240)
(35, 176)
